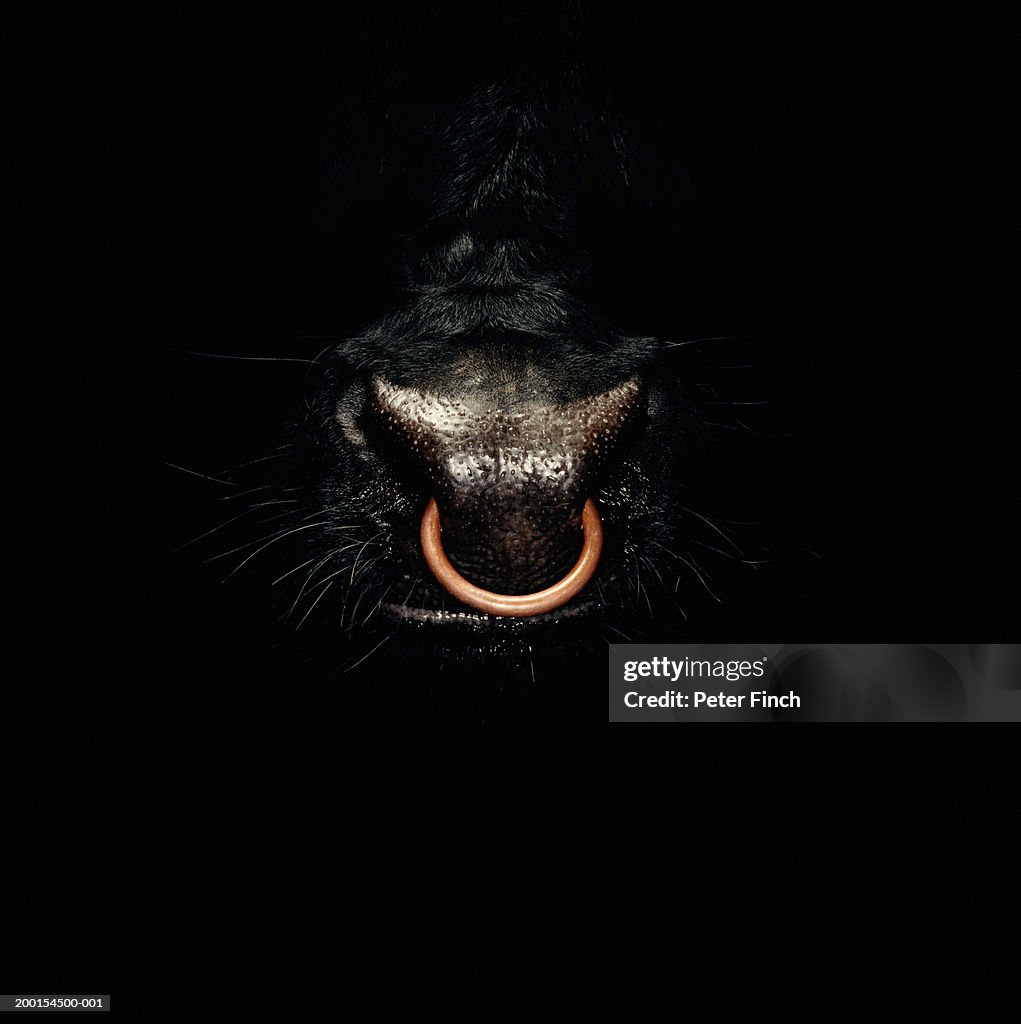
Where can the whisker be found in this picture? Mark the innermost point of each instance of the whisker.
(619, 632)
(289, 533)
(247, 359)
(727, 554)
(233, 519)
(378, 605)
(700, 579)
(251, 490)
(354, 611)
(666, 590)
(418, 579)
(201, 476)
(289, 571)
(712, 526)
(700, 341)
(389, 636)
(250, 543)
(311, 607)
(311, 575)
(253, 462)
(359, 555)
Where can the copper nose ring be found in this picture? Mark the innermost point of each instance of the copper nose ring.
(518, 605)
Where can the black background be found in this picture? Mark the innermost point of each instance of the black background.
(179, 183)
(171, 193)
(811, 191)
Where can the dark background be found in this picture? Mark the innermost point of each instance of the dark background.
(183, 186)
(174, 189)
(808, 190)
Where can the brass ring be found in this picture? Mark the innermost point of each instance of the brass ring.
(518, 605)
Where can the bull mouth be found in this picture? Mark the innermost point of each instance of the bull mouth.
(497, 605)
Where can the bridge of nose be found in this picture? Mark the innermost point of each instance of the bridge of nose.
(469, 448)
(510, 482)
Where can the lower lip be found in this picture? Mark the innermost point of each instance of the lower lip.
(442, 617)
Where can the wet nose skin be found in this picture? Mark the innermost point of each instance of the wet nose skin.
(510, 484)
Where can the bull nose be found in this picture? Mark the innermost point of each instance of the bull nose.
(510, 481)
